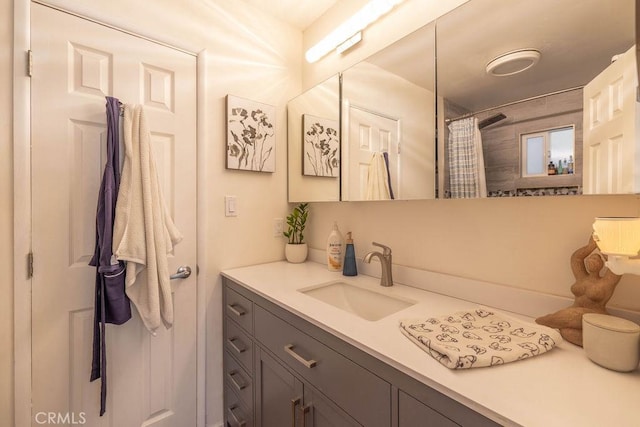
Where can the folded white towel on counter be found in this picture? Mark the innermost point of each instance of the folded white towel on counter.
(479, 337)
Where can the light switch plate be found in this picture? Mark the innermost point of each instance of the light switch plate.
(230, 206)
(278, 227)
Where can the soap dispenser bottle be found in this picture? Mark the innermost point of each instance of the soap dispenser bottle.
(349, 268)
(334, 249)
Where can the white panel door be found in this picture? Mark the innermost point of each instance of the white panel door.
(611, 153)
(151, 380)
(371, 132)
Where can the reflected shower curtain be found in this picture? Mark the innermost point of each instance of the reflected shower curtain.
(466, 160)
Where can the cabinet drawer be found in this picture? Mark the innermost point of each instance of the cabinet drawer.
(413, 413)
(363, 395)
(238, 343)
(235, 413)
(239, 380)
(239, 308)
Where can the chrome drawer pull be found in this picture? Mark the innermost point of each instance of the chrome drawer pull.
(308, 363)
(239, 421)
(294, 402)
(234, 346)
(234, 310)
(232, 375)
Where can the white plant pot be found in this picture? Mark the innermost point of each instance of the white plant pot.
(296, 253)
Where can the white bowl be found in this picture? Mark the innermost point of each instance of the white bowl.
(611, 342)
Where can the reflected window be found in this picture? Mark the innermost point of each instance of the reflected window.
(548, 152)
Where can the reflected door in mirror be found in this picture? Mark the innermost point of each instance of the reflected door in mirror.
(611, 152)
(369, 133)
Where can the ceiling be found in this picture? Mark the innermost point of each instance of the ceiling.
(576, 38)
(299, 13)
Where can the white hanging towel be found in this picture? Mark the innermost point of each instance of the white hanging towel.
(378, 179)
(144, 232)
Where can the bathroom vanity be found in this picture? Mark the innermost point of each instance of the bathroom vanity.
(293, 360)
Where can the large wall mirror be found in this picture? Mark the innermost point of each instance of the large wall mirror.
(313, 120)
(564, 125)
(388, 122)
(548, 119)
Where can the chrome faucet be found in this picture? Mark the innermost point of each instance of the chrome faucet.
(385, 260)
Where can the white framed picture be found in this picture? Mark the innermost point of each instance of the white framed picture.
(251, 136)
(321, 150)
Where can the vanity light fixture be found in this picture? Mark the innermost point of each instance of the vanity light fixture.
(513, 62)
(350, 29)
(619, 239)
(350, 42)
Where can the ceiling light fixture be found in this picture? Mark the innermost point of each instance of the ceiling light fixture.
(348, 29)
(513, 62)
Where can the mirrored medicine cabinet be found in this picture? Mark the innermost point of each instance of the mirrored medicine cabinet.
(313, 120)
(391, 108)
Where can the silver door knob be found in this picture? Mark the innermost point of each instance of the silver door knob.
(182, 273)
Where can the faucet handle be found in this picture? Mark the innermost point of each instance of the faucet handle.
(386, 249)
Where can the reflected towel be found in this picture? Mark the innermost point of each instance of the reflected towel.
(386, 162)
(479, 337)
(378, 179)
(144, 232)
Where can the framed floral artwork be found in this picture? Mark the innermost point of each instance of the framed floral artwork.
(321, 149)
(251, 136)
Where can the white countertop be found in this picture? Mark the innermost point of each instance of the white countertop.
(559, 388)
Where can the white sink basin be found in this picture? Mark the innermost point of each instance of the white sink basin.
(366, 303)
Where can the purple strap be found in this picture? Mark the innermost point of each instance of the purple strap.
(111, 302)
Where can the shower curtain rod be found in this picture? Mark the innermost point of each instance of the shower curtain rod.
(464, 116)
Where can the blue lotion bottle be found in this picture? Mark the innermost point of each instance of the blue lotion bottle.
(349, 268)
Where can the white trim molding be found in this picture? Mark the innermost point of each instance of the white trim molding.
(201, 281)
(21, 213)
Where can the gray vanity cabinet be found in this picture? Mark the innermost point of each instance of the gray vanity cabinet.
(413, 413)
(278, 392)
(365, 396)
(238, 360)
(281, 371)
(284, 400)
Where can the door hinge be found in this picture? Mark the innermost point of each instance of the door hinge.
(30, 265)
(30, 63)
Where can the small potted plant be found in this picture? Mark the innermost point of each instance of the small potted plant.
(296, 248)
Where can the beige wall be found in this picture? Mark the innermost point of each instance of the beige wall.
(520, 242)
(248, 55)
(524, 242)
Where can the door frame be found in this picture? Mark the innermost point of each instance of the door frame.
(22, 213)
